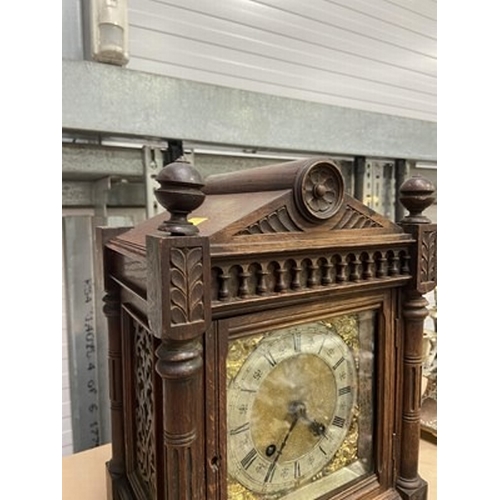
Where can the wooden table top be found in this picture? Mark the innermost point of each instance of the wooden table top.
(84, 473)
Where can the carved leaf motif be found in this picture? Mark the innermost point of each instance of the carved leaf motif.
(197, 301)
(178, 278)
(197, 293)
(178, 258)
(428, 262)
(195, 290)
(186, 285)
(178, 295)
(178, 316)
(195, 274)
(193, 258)
(178, 306)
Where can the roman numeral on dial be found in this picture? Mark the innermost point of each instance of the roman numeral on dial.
(242, 428)
(249, 458)
(339, 362)
(270, 359)
(270, 473)
(344, 390)
(297, 342)
(296, 470)
(338, 421)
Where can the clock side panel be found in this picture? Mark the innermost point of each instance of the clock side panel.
(135, 470)
(142, 406)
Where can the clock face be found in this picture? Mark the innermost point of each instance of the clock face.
(292, 398)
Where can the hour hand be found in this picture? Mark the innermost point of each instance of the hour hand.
(317, 428)
(298, 410)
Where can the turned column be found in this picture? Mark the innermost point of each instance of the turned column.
(178, 285)
(112, 311)
(416, 195)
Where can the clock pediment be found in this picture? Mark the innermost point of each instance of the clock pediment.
(300, 204)
(278, 220)
(290, 202)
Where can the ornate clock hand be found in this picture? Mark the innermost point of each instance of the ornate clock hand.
(317, 428)
(285, 439)
(297, 410)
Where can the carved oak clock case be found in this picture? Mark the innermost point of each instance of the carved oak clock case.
(265, 339)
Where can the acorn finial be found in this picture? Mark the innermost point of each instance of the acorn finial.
(180, 193)
(416, 194)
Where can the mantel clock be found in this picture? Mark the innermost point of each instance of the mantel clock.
(265, 339)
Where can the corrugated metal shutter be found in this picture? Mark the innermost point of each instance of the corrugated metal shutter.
(67, 431)
(374, 56)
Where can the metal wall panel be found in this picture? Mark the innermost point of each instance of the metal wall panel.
(373, 56)
(100, 97)
(85, 383)
(67, 427)
(82, 341)
(72, 30)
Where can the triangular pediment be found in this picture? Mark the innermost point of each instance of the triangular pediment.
(299, 203)
(280, 216)
(353, 216)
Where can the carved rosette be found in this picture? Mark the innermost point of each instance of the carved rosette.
(319, 191)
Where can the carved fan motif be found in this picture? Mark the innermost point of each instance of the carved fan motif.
(277, 222)
(353, 219)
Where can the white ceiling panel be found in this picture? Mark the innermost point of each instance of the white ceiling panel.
(375, 56)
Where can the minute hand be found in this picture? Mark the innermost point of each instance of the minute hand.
(272, 467)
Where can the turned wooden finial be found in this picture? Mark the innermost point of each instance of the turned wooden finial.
(179, 193)
(416, 194)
